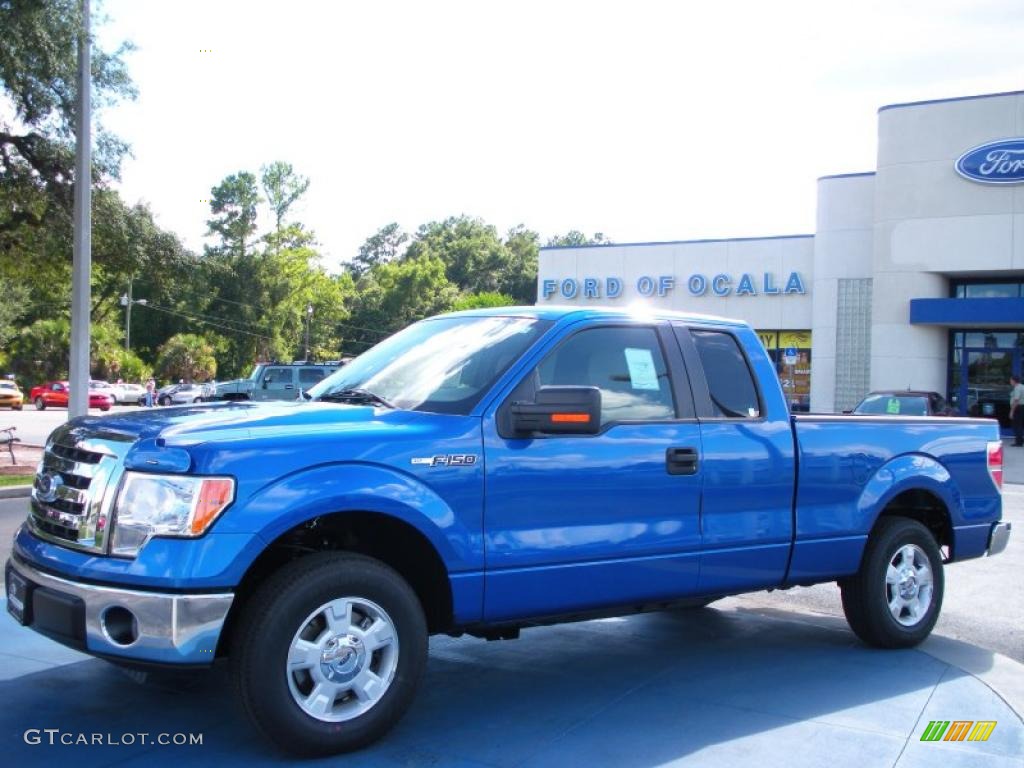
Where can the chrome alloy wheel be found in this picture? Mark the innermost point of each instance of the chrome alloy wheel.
(342, 660)
(909, 585)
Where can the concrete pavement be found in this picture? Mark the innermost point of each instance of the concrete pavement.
(714, 687)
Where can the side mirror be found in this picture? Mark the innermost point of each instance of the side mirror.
(559, 411)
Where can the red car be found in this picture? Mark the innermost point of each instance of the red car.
(56, 393)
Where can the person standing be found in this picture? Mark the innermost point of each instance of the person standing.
(150, 390)
(1017, 410)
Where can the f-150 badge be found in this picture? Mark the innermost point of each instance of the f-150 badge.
(447, 460)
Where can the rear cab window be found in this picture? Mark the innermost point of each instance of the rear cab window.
(732, 389)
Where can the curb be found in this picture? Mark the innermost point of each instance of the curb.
(16, 492)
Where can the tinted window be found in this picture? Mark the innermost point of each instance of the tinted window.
(311, 375)
(730, 384)
(626, 364)
(893, 405)
(278, 376)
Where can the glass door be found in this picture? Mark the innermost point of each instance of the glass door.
(981, 381)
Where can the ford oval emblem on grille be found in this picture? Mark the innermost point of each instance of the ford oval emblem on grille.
(48, 485)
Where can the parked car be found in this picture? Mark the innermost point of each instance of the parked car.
(55, 393)
(898, 402)
(106, 388)
(131, 394)
(10, 396)
(552, 463)
(276, 381)
(179, 394)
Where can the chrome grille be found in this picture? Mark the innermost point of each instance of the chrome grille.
(74, 490)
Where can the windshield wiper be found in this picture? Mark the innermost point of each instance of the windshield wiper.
(355, 396)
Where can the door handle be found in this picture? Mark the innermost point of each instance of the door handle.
(289, 386)
(681, 461)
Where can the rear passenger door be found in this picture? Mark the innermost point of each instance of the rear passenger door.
(749, 463)
(574, 522)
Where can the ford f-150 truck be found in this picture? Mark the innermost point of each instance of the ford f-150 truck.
(480, 472)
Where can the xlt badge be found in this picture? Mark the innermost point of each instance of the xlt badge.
(447, 460)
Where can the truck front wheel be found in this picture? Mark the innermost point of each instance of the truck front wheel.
(895, 598)
(328, 653)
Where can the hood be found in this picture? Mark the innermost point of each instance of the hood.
(193, 424)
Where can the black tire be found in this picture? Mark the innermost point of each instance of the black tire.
(104, 408)
(40, 404)
(277, 610)
(866, 594)
(16, 407)
(165, 400)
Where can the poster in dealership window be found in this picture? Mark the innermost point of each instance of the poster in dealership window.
(796, 377)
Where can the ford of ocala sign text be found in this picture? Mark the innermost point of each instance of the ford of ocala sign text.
(661, 285)
(998, 162)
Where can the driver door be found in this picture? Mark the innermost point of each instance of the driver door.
(574, 522)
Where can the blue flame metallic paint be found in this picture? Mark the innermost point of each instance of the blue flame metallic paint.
(548, 526)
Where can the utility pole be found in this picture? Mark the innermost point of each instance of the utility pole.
(81, 268)
(309, 318)
(127, 301)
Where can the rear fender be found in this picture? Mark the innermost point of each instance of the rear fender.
(908, 472)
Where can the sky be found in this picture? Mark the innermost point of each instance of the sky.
(641, 120)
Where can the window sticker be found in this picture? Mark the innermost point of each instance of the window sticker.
(642, 373)
(893, 406)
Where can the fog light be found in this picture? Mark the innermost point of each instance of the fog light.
(119, 625)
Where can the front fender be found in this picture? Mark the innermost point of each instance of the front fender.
(353, 486)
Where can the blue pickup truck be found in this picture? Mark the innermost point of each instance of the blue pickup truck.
(478, 473)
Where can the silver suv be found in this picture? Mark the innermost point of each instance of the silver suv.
(276, 381)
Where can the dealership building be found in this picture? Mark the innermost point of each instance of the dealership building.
(914, 277)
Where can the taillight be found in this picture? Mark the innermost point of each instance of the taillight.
(995, 464)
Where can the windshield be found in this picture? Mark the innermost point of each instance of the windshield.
(894, 405)
(444, 365)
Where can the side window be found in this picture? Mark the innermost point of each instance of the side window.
(626, 364)
(311, 375)
(278, 376)
(730, 384)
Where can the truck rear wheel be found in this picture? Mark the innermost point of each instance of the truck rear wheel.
(895, 598)
(328, 653)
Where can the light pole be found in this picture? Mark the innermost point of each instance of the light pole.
(127, 301)
(81, 268)
(309, 318)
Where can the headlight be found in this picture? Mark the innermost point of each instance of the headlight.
(166, 505)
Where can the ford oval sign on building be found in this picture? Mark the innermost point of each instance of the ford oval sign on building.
(998, 162)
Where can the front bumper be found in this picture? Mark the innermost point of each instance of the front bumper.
(998, 538)
(152, 627)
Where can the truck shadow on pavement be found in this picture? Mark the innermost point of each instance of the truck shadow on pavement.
(721, 687)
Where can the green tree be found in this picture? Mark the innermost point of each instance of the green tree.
(12, 308)
(473, 254)
(393, 295)
(187, 356)
(282, 187)
(519, 276)
(233, 205)
(483, 301)
(382, 246)
(38, 77)
(575, 237)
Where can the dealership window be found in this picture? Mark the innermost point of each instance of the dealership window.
(980, 364)
(790, 352)
(990, 289)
